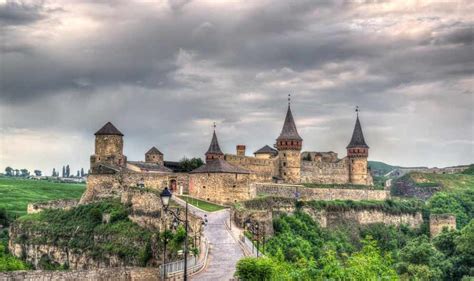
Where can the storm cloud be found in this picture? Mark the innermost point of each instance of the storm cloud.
(164, 71)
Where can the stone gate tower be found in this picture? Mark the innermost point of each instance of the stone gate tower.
(289, 148)
(108, 148)
(357, 153)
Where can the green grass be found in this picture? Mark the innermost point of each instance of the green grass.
(15, 194)
(203, 205)
(449, 182)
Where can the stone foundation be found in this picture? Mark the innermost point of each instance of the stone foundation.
(306, 193)
(102, 274)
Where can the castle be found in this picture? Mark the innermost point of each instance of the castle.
(227, 178)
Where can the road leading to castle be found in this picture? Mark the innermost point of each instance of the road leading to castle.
(225, 251)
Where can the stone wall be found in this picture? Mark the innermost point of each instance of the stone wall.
(325, 172)
(290, 165)
(359, 173)
(64, 204)
(147, 211)
(264, 169)
(440, 221)
(329, 219)
(102, 274)
(221, 188)
(100, 186)
(306, 193)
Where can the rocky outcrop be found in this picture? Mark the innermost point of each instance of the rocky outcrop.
(36, 254)
(64, 204)
(101, 274)
(406, 187)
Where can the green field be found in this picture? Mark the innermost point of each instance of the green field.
(203, 205)
(15, 194)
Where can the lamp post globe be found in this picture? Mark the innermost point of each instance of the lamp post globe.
(165, 196)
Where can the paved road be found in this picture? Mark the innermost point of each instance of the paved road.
(224, 252)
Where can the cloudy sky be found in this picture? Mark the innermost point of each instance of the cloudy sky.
(164, 71)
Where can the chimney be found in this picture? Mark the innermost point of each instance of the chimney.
(240, 150)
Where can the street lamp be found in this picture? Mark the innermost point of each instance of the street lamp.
(165, 197)
(255, 229)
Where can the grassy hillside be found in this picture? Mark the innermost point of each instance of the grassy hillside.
(15, 194)
(448, 182)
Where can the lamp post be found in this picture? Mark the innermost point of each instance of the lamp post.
(257, 231)
(165, 196)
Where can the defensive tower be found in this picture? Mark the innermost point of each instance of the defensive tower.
(154, 156)
(108, 147)
(289, 148)
(358, 152)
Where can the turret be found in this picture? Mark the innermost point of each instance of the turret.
(108, 147)
(358, 152)
(289, 147)
(154, 156)
(214, 151)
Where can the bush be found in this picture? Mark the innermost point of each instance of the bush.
(255, 269)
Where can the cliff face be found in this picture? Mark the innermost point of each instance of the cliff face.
(39, 254)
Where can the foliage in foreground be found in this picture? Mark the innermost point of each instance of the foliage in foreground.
(301, 250)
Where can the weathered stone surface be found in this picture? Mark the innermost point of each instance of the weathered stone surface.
(64, 204)
(263, 169)
(101, 274)
(329, 219)
(221, 188)
(306, 193)
(440, 221)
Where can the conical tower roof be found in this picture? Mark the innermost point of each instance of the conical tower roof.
(357, 139)
(289, 131)
(108, 129)
(214, 147)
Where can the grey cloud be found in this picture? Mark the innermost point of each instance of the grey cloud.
(19, 13)
(164, 76)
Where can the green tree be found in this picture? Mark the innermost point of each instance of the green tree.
(24, 172)
(9, 171)
(370, 264)
(37, 173)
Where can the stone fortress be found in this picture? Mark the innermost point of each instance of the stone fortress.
(228, 178)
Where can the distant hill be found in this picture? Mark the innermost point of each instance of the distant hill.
(469, 171)
(380, 168)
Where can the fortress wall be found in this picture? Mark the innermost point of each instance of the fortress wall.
(147, 210)
(102, 274)
(65, 204)
(306, 193)
(264, 169)
(221, 188)
(100, 186)
(323, 172)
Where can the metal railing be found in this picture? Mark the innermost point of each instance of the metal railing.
(253, 251)
(174, 269)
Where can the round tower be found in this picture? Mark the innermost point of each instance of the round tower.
(289, 149)
(357, 153)
(108, 147)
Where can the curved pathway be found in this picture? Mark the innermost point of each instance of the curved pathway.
(224, 252)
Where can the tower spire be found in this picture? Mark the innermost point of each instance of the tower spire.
(357, 139)
(214, 151)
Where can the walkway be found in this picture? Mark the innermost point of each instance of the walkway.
(225, 250)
